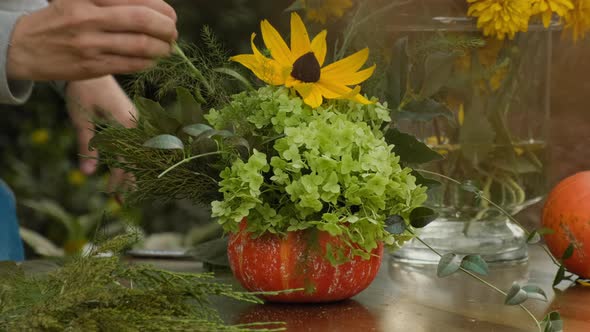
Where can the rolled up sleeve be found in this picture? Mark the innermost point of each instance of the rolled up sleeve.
(12, 92)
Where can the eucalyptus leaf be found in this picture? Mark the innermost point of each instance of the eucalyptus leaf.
(438, 68)
(426, 110)
(470, 187)
(520, 165)
(421, 216)
(425, 181)
(190, 109)
(448, 264)
(533, 238)
(240, 144)
(569, 251)
(559, 276)
(475, 264)
(213, 252)
(409, 149)
(164, 142)
(154, 115)
(395, 224)
(535, 292)
(197, 129)
(553, 322)
(516, 295)
(295, 6)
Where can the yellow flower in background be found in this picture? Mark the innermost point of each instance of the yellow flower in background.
(501, 18)
(321, 10)
(546, 8)
(76, 178)
(578, 19)
(40, 136)
(300, 66)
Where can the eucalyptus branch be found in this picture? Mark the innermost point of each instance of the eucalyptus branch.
(490, 285)
(186, 160)
(499, 208)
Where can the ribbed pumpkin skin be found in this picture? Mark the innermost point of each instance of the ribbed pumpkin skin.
(274, 263)
(567, 213)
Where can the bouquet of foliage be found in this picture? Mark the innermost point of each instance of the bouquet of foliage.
(306, 153)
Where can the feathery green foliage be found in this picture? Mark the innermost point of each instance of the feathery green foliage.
(100, 292)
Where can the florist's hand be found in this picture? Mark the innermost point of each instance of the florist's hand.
(87, 100)
(82, 39)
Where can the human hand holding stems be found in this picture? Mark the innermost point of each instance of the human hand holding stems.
(85, 41)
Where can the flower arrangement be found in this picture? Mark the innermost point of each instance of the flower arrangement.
(305, 154)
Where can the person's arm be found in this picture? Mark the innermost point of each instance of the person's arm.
(12, 92)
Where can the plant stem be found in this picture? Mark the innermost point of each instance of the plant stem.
(476, 277)
(510, 217)
(187, 160)
(194, 69)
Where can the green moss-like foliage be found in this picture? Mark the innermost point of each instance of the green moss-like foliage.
(329, 169)
(103, 293)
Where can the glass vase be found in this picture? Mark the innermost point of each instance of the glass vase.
(483, 105)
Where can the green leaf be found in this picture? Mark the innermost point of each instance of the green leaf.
(398, 76)
(296, 5)
(477, 134)
(164, 142)
(409, 149)
(239, 77)
(190, 109)
(516, 295)
(559, 276)
(422, 216)
(470, 187)
(425, 181)
(426, 110)
(519, 165)
(154, 115)
(533, 238)
(545, 231)
(535, 292)
(438, 68)
(196, 130)
(569, 251)
(395, 224)
(553, 322)
(475, 264)
(448, 264)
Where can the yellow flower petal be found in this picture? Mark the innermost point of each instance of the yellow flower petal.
(268, 70)
(349, 78)
(275, 43)
(310, 93)
(349, 64)
(300, 44)
(319, 47)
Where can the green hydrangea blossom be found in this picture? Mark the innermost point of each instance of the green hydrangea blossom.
(329, 169)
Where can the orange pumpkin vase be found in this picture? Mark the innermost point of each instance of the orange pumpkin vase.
(298, 260)
(567, 213)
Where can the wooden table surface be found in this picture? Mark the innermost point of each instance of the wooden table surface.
(413, 298)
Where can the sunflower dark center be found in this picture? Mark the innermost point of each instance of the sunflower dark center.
(307, 68)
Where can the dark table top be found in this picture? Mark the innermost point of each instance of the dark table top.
(413, 298)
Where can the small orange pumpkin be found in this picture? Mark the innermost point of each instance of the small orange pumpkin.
(298, 260)
(567, 213)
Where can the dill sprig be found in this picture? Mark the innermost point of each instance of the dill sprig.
(103, 293)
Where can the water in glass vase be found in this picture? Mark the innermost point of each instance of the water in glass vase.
(469, 224)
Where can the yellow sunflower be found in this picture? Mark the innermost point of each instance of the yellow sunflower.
(501, 18)
(300, 66)
(578, 19)
(321, 10)
(547, 7)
